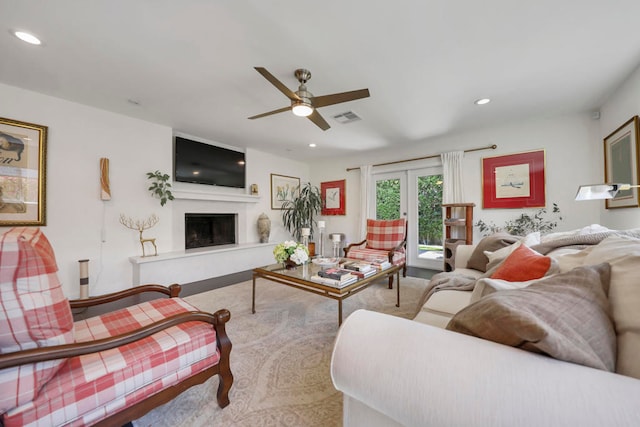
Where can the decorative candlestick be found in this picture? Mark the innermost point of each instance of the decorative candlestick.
(84, 278)
(321, 225)
(336, 245)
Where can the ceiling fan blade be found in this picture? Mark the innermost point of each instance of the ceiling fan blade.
(279, 110)
(277, 83)
(337, 98)
(316, 118)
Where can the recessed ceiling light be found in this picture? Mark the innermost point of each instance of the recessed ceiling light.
(26, 37)
(312, 145)
(482, 101)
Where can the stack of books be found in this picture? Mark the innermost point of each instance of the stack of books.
(381, 263)
(336, 277)
(360, 269)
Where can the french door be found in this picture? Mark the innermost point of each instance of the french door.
(417, 196)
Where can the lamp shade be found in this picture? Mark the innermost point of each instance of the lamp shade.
(600, 191)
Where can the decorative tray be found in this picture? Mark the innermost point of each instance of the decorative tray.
(326, 262)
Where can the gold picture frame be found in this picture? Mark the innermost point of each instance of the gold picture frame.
(283, 189)
(23, 149)
(621, 163)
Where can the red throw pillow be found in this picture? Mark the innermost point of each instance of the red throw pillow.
(523, 264)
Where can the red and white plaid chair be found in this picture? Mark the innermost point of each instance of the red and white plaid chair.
(106, 370)
(385, 239)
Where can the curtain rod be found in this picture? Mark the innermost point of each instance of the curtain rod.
(490, 147)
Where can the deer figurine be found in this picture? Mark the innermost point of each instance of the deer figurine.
(140, 226)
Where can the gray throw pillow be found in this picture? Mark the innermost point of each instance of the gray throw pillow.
(566, 316)
(478, 260)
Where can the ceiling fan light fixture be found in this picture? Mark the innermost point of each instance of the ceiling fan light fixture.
(302, 109)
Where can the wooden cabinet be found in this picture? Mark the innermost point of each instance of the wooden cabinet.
(458, 226)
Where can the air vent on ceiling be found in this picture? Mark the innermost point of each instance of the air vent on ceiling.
(347, 117)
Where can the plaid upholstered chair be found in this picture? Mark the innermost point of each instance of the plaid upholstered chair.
(386, 239)
(106, 370)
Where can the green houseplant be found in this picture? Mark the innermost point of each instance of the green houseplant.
(525, 223)
(299, 212)
(160, 186)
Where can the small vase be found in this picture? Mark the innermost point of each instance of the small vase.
(289, 264)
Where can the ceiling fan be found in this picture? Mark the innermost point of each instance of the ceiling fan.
(303, 103)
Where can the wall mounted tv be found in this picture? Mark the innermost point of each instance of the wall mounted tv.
(202, 163)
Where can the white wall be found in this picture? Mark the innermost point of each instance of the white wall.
(78, 136)
(570, 143)
(620, 107)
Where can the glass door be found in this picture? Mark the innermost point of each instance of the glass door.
(425, 235)
(390, 193)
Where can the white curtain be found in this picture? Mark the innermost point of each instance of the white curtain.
(365, 197)
(452, 173)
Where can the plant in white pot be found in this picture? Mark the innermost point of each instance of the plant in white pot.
(300, 212)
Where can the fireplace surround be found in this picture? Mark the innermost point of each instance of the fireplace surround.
(210, 229)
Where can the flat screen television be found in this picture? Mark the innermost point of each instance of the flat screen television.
(201, 163)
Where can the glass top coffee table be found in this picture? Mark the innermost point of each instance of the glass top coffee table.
(300, 278)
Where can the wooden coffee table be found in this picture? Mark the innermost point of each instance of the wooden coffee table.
(299, 278)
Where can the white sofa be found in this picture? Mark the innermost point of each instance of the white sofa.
(398, 372)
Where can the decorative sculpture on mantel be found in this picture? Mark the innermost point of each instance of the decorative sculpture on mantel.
(140, 226)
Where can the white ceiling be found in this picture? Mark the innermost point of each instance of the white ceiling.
(189, 63)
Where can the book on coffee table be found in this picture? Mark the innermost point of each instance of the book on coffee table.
(358, 266)
(333, 282)
(336, 273)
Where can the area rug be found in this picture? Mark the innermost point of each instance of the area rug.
(280, 357)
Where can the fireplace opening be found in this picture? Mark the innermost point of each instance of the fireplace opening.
(203, 229)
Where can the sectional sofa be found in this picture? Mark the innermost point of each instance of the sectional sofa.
(558, 350)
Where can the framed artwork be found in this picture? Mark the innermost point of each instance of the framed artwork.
(333, 197)
(621, 163)
(23, 148)
(514, 181)
(283, 189)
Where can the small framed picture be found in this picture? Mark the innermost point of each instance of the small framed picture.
(283, 189)
(333, 197)
(621, 163)
(23, 148)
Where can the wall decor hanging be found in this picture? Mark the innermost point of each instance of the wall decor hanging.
(23, 148)
(621, 163)
(333, 197)
(514, 180)
(283, 189)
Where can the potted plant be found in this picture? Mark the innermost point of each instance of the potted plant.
(160, 186)
(299, 212)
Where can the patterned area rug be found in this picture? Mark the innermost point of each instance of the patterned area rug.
(280, 357)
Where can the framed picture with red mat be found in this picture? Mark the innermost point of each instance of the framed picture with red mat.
(514, 181)
(333, 197)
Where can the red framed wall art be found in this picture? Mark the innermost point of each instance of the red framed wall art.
(514, 181)
(333, 197)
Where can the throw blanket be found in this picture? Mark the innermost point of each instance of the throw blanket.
(582, 240)
(460, 282)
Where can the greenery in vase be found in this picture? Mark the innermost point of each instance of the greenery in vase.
(296, 252)
(160, 186)
(525, 223)
(299, 212)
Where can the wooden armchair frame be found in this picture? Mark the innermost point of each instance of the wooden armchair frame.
(217, 320)
(390, 254)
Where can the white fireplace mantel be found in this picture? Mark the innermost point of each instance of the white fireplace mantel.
(219, 197)
(199, 264)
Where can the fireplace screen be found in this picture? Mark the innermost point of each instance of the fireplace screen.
(202, 230)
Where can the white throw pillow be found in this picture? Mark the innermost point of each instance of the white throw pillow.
(623, 253)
